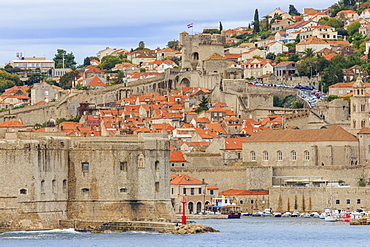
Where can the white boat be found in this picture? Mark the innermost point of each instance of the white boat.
(267, 212)
(277, 214)
(286, 214)
(330, 218)
(322, 216)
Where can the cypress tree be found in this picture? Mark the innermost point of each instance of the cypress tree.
(256, 22)
(221, 27)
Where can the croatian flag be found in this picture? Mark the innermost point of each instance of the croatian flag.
(190, 25)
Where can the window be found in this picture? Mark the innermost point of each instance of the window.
(266, 156)
(85, 166)
(348, 201)
(199, 191)
(238, 156)
(141, 161)
(358, 201)
(294, 155)
(24, 192)
(53, 187)
(241, 202)
(156, 185)
(252, 201)
(184, 191)
(172, 191)
(43, 186)
(123, 166)
(337, 201)
(156, 165)
(253, 156)
(85, 190)
(306, 155)
(123, 190)
(173, 164)
(64, 185)
(279, 156)
(211, 192)
(192, 191)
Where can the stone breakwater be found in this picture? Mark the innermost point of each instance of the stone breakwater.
(126, 226)
(360, 221)
(192, 228)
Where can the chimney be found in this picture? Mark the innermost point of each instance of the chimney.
(203, 181)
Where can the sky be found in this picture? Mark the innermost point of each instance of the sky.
(84, 27)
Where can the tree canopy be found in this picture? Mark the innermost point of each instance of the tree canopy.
(108, 62)
(8, 80)
(69, 59)
(256, 22)
(293, 10)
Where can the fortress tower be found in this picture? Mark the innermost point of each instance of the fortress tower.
(198, 47)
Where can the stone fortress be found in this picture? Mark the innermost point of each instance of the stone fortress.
(53, 181)
(49, 180)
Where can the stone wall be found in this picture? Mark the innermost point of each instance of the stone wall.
(45, 179)
(317, 199)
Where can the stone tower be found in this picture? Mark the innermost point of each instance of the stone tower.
(359, 107)
(198, 47)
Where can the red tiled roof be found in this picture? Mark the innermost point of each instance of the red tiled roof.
(177, 156)
(12, 124)
(234, 143)
(184, 180)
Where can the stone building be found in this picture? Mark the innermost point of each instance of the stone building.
(44, 92)
(359, 107)
(196, 193)
(310, 147)
(69, 180)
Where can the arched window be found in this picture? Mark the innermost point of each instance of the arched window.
(354, 107)
(23, 191)
(253, 156)
(306, 155)
(141, 161)
(265, 156)
(363, 107)
(43, 186)
(294, 155)
(64, 185)
(53, 186)
(363, 124)
(354, 123)
(156, 165)
(279, 156)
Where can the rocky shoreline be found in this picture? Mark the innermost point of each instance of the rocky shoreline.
(360, 221)
(125, 226)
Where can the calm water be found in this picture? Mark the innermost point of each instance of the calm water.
(247, 231)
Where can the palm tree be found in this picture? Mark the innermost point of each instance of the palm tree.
(309, 52)
(267, 17)
(75, 73)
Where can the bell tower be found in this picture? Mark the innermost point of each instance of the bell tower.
(359, 107)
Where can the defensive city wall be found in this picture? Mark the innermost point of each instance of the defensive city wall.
(46, 179)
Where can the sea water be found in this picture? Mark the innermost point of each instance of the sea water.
(247, 231)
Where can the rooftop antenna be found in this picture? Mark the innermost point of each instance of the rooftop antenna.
(19, 55)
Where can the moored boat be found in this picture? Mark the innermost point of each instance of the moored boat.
(223, 206)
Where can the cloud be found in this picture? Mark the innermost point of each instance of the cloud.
(40, 27)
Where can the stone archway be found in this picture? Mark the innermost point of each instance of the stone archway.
(185, 82)
(199, 207)
(191, 207)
